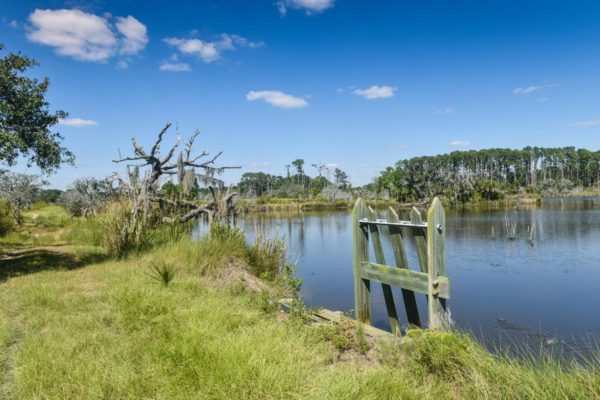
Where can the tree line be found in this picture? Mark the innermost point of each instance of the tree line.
(469, 175)
(296, 184)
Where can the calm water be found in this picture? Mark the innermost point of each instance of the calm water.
(547, 292)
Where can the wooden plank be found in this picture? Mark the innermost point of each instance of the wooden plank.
(420, 236)
(436, 256)
(336, 316)
(362, 287)
(397, 239)
(333, 316)
(387, 289)
(387, 222)
(405, 278)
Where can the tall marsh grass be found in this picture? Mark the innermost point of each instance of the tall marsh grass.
(121, 234)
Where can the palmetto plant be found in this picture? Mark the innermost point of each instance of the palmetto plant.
(162, 272)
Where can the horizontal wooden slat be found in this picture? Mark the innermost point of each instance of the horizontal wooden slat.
(404, 278)
(405, 224)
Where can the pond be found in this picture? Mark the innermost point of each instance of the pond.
(511, 290)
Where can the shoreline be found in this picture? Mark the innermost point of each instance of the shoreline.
(249, 206)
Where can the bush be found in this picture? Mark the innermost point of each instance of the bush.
(491, 190)
(7, 221)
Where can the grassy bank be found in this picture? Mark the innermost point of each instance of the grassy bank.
(78, 324)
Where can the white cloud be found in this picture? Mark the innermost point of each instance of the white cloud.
(277, 98)
(14, 24)
(398, 147)
(206, 50)
(309, 6)
(77, 122)
(444, 111)
(331, 165)
(375, 92)
(230, 42)
(135, 35)
(85, 37)
(460, 143)
(122, 64)
(585, 123)
(211, 50)
(175, 67)
(532, 88)
(542, 99)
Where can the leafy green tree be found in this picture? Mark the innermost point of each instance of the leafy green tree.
(7, 221)
(299, 165)
(50, 195)
(25, 120)
(341, 179)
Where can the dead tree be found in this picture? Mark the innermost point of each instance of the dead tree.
(190, 171)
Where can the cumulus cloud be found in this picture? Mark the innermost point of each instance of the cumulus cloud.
(460, 143)
(277, 98)
(532, 88)
(77, 122)
(210, 51)
(175, 67)
(84, 36)
(375, 92)
(585, 123)
(309, 6)
(135, 35)
(444, 111)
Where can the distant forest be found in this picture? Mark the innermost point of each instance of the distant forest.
(471, 175)
(297, 183)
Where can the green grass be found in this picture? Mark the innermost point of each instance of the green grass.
(106, 330)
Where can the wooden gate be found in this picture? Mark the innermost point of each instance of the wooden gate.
(430, 240)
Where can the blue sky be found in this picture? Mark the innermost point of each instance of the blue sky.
(357, 84)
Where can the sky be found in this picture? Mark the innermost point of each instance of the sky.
(352, 84)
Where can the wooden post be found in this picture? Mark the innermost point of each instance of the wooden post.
(410, 302)
(362, 287)
(436, 262)
(387, 289)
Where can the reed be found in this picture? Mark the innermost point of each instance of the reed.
(510, 228)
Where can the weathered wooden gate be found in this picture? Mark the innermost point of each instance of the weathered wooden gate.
(430, 240)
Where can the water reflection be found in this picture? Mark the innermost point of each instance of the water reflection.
(500, 288)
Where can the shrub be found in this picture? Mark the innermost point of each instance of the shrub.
(7, 221)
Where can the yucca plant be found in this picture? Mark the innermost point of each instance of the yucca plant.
(162, 272)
